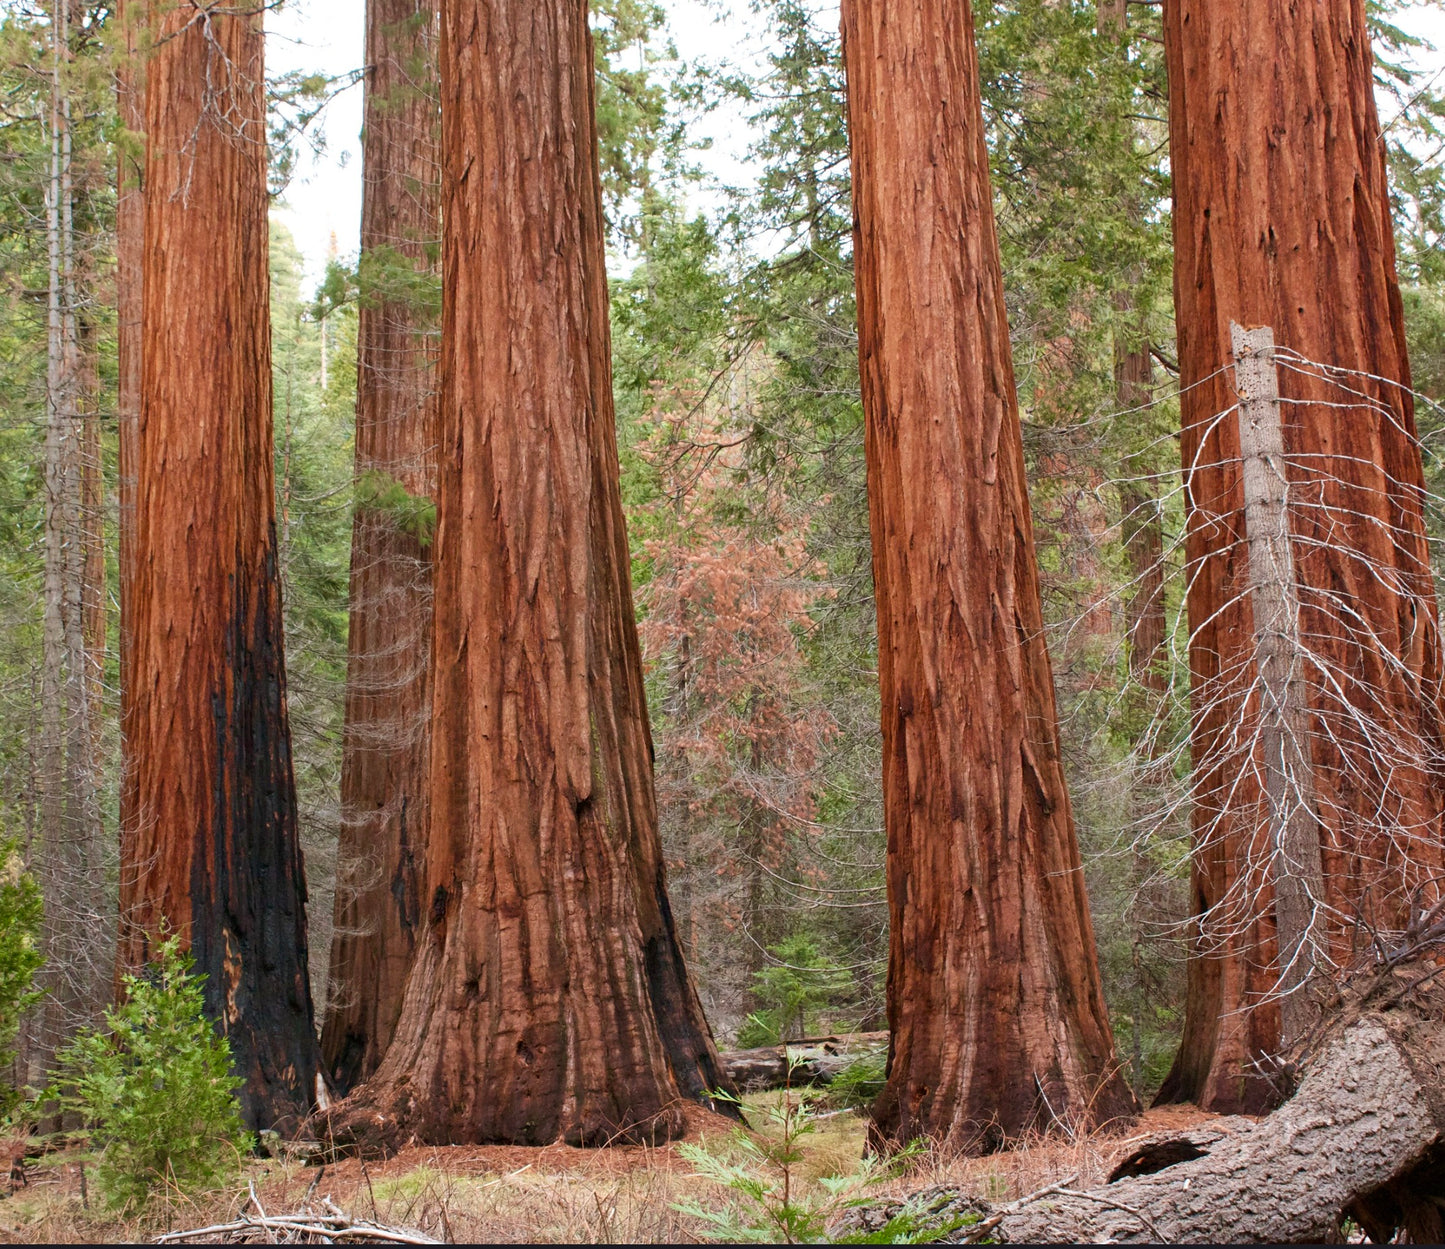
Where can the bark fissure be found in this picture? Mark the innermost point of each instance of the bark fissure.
(548, 999)
(995, 1006)
(210, 847)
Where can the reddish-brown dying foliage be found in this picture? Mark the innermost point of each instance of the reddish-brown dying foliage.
(728, 601)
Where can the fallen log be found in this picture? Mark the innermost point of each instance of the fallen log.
(816, 1060)
(1362, 1139)
(1367, 1115)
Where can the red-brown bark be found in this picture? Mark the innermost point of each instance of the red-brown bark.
(548, 999)
(996, 1014)
(210, 844)
(381, 858)
(1282, 218)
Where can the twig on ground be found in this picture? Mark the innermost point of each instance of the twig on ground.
(979, 1230)
(301, 1228)
(1159, 1236)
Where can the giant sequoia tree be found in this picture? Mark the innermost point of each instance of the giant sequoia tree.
(210, 846)
(996, 1014)
(1282, 218)
(382, 854)
(548, 997)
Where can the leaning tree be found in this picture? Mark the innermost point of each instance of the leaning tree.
(210, 847)
(996, 1013)
(548, 997)
(1282, 220)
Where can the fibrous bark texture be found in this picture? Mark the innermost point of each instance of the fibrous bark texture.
(1282, 219)
(210, 842)
(548, 999)
(995, 1008)
(384, 770)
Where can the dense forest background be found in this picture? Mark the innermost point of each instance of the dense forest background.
(741, 431)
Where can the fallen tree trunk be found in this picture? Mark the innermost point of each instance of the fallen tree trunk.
(816, 1060)
(1363, 1139)
(1359, 1139)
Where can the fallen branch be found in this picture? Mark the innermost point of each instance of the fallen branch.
(816, 1060)
(303, 1228)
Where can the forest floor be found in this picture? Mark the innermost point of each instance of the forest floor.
(557, 1194)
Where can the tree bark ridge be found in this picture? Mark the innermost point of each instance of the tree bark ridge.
(995, 1006)
(548, 998)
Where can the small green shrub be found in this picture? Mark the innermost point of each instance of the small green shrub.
(860, 1082)
(20, 914)
(413, 514)
(789, 993)
(772, 1204)
(156, 1087)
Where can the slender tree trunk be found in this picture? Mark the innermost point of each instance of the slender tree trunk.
(548, 998)
(1143, 532)
(75, 934)
(60, 834)
(211, 844)
(1146, 625)
(129, 249)
(1282, 218)
(382, 855)
(995, 1011)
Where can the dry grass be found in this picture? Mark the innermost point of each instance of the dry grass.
(552, 1195)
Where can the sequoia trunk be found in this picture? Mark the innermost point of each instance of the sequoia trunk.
(382, 854)
(1282, 219)
(548, 998)
(995, 1010)
(210, 843)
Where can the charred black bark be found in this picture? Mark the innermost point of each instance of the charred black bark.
(248, 885)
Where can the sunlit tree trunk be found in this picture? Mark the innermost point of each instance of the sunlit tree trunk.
(382, 855)
(548, 998)
(210, 840)
(1282, 218)
(995, 1010)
